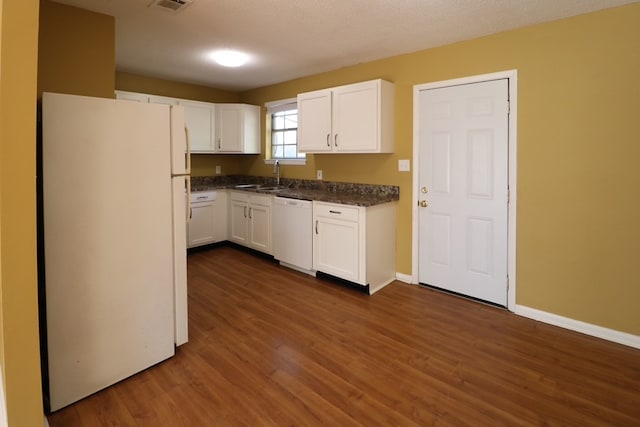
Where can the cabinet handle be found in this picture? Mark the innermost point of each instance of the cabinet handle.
(245, 211)
(335, 212)
(219, 146)
(316, 226)
(250, 209)
(328, 141)
(335, 140)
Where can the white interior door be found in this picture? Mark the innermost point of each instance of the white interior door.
(463, 185)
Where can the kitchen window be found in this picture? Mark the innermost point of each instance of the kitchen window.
(282, 132)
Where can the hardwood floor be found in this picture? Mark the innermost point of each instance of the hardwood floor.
(272, 347)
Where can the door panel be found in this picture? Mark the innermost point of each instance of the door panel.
(463, 177)
(260, 219)
(355, 109)
(314, 121)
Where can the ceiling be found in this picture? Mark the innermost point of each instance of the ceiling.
(296, 38)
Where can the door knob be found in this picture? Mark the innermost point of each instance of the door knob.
(424, 203)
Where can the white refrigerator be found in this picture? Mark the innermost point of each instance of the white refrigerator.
(114, 176)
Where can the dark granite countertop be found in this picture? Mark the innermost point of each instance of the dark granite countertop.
(324, 191)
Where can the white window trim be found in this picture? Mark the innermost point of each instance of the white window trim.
(274, 107)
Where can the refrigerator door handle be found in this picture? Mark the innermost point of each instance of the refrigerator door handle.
(188, 182)
(188, 153)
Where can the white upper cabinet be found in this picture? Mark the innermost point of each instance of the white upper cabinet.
(200, 121)
(356, 118)
(213, 128)
(237, 128)
(314, 122)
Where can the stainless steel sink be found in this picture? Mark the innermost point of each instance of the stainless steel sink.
(260, 187)
(274, 188)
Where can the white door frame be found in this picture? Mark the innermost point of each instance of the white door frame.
(512, 76)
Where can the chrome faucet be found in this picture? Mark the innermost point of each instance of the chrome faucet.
(276, 170)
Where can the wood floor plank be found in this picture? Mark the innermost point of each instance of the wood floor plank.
(269, 346)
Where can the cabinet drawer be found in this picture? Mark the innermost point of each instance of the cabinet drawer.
(203, 196)
(258, 199)
(240, 196)
(343, 212)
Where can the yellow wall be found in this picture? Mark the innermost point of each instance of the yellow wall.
(19, 310)
(151, 85)
(578, 235)
(76, 51)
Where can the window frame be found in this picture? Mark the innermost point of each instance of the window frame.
(275, 107)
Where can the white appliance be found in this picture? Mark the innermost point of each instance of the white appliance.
(293, 233)
(114, 175)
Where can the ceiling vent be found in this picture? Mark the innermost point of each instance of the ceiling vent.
(171, 5)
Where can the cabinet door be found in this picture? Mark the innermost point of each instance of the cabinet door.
(260, 227)
(335, 248)
(229, 129)
(238, 222)
(314, 122)
(355, 117)
(237, 128)
(201, 229)
(220, 216)
(199, 119)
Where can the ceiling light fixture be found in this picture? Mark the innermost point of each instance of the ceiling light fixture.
(230, 58)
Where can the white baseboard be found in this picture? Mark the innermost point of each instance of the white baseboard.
(406, 278)
(564, 322)
(579, 326)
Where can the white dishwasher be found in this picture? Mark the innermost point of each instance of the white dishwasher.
(293, 233)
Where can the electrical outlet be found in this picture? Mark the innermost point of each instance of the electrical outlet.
(403, 165)
(319, 174)
(218, 170)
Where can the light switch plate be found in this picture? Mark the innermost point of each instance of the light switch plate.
(404, 165)
(319, 174)
(218, 170)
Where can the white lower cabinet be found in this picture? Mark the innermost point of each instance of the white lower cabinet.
(355, 243)
(250, 220)
(208, 223)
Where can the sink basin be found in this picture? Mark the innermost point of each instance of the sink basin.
(261, 187)
(274, 188)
